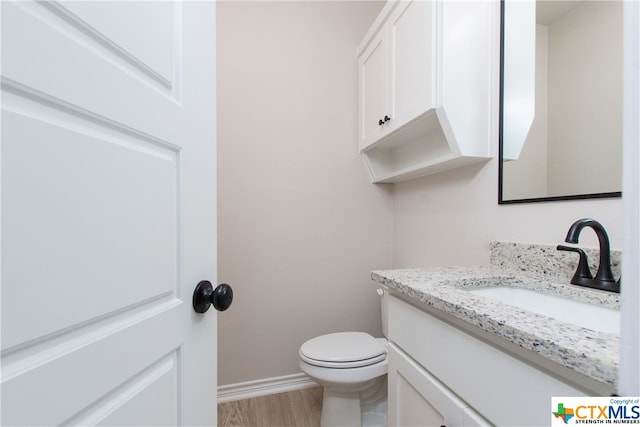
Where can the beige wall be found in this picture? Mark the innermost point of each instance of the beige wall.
(450, 218)
(585, 100)
(300, 226)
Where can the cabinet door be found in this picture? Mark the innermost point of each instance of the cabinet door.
(414, 58)
(416, 398)
(472, 419)
(374, 96)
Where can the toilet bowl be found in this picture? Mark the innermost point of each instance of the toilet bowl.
(352, 369)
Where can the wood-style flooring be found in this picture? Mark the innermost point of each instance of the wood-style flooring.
(299, 408)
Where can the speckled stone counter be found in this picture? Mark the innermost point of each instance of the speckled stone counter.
(545, 261)
(588, 352)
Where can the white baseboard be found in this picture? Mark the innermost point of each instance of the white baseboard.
(246, 390)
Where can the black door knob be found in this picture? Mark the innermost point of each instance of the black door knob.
(204, 295)
(386, 119)
(380, 122)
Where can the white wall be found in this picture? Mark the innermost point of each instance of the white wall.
(450, 218)
(300, 226)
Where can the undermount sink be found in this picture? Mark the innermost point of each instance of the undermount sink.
(589, 316)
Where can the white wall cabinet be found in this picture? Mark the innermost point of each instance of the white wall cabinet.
(427, 87)
(397, 70)
(374, 88)
(441, 375)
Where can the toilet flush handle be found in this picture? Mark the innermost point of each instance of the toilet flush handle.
(380, 291)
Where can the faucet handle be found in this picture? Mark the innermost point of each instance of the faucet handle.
(583, 271)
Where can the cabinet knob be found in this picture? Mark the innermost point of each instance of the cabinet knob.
(383, 120)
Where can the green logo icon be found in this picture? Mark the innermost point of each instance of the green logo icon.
(565, 413)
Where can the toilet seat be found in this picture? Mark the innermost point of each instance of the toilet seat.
(343, 350)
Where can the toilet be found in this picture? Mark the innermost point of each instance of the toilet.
(352, 369)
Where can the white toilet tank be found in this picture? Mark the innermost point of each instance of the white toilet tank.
(383, 291)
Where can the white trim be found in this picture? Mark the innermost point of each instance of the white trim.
(249, 389)
(629, 378)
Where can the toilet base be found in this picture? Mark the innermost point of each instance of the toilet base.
(340, 409)
(374, 406)
(366, 408)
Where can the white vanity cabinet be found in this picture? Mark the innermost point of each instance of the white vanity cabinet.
(427, 87)
(417, 398)
(442, 375)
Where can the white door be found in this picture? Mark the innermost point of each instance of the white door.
(108, 213)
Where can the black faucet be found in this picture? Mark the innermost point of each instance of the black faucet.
(604, 277)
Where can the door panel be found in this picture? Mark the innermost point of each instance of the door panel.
(118, 27)
(108, 213)
(83, 372)
(70, 67)
(150, 398)
(120, 250)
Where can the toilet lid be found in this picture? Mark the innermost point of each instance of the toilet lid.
(343, 350)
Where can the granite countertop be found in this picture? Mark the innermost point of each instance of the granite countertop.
(589, 352)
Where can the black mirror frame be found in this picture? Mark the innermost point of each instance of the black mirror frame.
(501, 201)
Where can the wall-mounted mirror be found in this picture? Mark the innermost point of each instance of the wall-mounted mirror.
(561, 107)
